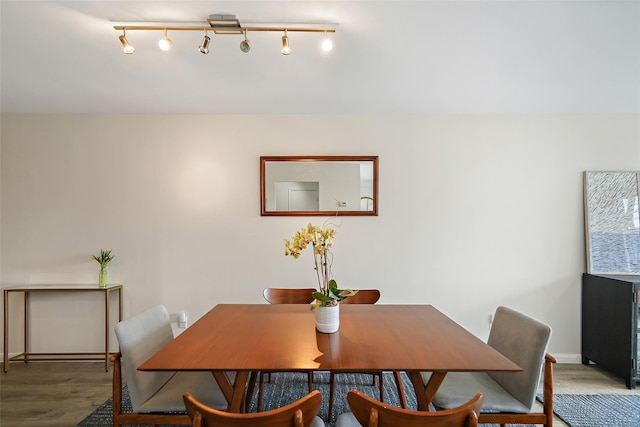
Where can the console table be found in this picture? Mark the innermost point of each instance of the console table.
(26, 290)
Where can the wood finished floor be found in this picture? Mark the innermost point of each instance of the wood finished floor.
(61, 394)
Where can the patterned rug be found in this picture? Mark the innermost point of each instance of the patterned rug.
(577, 410)
(289, 387)
(598, 410)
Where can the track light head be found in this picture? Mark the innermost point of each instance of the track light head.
(126, 47)
(327, 44)
(204, 46)
(165, 43)
(245, 45)
(286, 49)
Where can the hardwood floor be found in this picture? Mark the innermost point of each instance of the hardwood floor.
(56, 394)
(61, 394)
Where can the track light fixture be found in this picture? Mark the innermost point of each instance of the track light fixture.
(245, 45)
(126, 47)
(204, 46)
(225, 25)
(165, 42)
(286, 49)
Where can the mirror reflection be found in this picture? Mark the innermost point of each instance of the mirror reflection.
(319, 185)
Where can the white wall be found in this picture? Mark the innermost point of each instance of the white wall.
(475, 211)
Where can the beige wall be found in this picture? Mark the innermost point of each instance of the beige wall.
(475, 212)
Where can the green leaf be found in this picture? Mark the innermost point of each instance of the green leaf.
(334, 293)
(322, 297)
(104, 258)
(345, 293)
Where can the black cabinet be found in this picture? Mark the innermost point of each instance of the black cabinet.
(610, 324)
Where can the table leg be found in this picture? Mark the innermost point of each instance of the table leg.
(426, 392)
(106, 331)
(120, 304)
(5, 366)
(235, 394)
(26, 326)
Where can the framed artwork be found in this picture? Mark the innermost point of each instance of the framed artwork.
(612, 222)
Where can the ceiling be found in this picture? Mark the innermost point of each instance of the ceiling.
(389, 57)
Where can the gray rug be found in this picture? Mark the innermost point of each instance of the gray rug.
(289, 387)
(598, 410)
(576, 410)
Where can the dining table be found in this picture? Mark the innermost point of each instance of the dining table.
(250, 338)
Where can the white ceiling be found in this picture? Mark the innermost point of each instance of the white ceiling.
(389, 57)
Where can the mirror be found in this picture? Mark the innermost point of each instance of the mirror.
(319, 185)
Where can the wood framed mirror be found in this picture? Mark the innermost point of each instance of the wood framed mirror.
(319, 185)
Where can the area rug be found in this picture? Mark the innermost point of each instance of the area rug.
(577, 410)
(598, 410)
(289, 387)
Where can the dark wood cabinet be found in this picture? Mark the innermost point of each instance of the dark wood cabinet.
(610, 324)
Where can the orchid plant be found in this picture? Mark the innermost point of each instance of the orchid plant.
(321, 239)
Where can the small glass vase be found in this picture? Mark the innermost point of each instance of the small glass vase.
(102, 277)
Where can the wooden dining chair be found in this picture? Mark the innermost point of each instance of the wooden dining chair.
(156, 397)
(288, 295)
(366, 296)
(368, 412)
(509, 397)
(285, 296)
(301, 413)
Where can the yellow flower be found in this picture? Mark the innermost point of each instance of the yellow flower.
(322, 239)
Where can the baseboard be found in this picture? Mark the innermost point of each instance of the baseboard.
(568, 358)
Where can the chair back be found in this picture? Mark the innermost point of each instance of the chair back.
(372, 413)
(364, 296)
(140, 337)
(524, 341)
(288, 295)
(301, 413)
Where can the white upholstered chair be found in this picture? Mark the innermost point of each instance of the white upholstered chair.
(156, 397)
(509, 397)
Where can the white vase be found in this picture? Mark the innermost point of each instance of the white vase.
(328, 319)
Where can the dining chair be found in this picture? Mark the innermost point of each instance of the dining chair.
(285, 296)
(288, 295)
(301, 413)
(509, 397)
(364, 296)
(156, 397)
(368, 412)
(367, 296)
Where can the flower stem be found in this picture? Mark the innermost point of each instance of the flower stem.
(315, 260)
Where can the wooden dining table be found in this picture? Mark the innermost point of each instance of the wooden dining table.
(245, 338)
